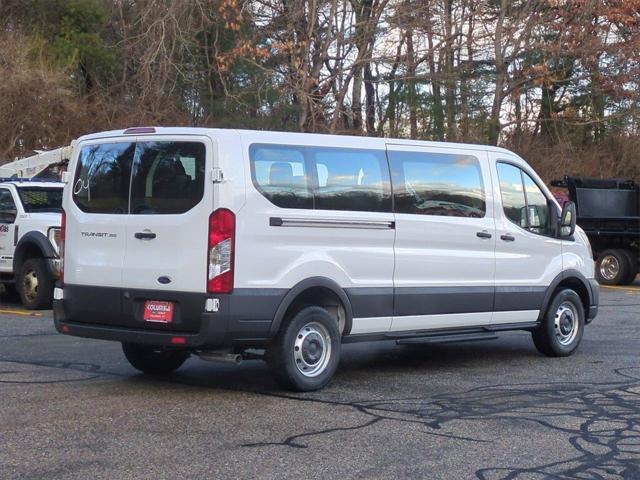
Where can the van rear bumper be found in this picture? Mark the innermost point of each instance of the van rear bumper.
(241, 318)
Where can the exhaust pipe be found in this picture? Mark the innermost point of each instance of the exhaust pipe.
(220, 357)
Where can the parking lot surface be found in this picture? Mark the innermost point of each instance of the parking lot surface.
(74, 408)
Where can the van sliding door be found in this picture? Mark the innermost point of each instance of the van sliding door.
(445, 238)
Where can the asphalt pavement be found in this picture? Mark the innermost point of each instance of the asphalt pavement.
(73, 408)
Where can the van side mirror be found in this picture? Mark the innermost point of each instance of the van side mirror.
(567, 222)
(8, 216)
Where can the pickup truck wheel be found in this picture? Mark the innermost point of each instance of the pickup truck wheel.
(561, 329)
(612, 267)
(306, 352)
(34, 284)
(154, 360)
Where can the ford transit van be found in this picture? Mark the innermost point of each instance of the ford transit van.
(232, 244)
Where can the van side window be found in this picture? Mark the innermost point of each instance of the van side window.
(103, 174)
(513, 201)
(322, 178)
(522, 200)
(356, 180)
(168, 177)
(437, 184)
(280, 174)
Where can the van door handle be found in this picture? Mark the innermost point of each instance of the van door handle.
(483, 234)
(508, 238)
(145, 235)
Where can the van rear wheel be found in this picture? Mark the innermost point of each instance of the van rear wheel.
(34, 284)
(306, 352)
(561, 329)
(154, 360)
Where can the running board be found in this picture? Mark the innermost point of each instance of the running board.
(460, 337)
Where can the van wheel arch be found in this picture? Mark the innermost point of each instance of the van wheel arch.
(571, 279)
(316, 291)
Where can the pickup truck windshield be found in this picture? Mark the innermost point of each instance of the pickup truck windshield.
(39, 199)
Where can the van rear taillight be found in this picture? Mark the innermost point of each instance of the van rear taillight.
(63, 236)
(222, 229)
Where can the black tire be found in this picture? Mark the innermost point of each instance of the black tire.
(35, 284)
(612, 267)
(632, 267)
(318, 351)
(553, 338)
(154, 360)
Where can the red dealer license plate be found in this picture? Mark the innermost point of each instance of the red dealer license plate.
(157, 311)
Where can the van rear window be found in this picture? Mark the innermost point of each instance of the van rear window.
(168, 177)
(143, 178)
(103, 175)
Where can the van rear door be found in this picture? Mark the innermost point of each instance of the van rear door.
(165, 266)
(137, 231)
(167, 228)
(95, 227)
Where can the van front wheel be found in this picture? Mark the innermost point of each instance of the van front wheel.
(561, 329)
(154, 360)
(305, 353)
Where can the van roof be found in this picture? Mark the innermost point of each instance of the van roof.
(290, 136)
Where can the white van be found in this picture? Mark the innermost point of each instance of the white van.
(231, 244)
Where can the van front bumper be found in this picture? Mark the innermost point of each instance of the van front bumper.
(116, 314)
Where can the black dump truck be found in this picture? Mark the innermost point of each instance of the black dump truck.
(609, 213)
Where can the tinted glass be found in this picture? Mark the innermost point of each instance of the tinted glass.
(280, 174)
(354, 180)
(36, 199)
(523, 201)
(103, 173)
(513, 200)
(437, 184)
(537, 206)
(168, 177)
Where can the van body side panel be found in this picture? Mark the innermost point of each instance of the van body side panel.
(577, 256)
(280, 247)
(229, 158)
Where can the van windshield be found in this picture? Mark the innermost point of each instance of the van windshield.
(41, 199)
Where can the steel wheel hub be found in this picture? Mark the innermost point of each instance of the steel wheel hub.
(312, 349)
(566, 323)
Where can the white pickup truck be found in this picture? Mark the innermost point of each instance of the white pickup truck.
(30, 217)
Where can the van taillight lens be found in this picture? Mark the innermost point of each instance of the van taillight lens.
(63, 235)
(222, 229)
